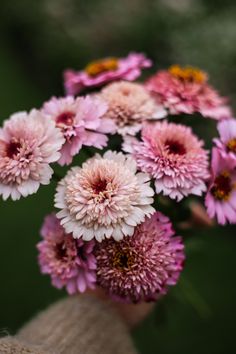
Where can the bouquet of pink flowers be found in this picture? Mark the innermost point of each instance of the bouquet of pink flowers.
(113, 227)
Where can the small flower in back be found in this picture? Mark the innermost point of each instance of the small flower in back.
(105, 198)
(80, 120)
(174, 157)
(221, 196)
(105, 70)
(141, 267)
(227, 141)
(28, 144)
(69, 262)
(129, 105)
(186, 90)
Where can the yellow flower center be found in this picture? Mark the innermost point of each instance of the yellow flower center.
(231, 145)
(188, 74)
(100, 66)
(222, 187)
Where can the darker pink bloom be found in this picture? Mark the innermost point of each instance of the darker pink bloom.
(80, 120)
(69, 262)
(221, 196)
(105, 70)
(185, 90)
(141, 267)
(173, 156)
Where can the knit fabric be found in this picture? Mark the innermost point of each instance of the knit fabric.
(76, 325)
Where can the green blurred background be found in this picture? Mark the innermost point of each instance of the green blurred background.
(38, 39)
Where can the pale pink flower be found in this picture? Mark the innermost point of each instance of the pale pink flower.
(185, 90)
(227, 141)
(221, 196)
(69, 262)
(102, 71)
(129, 105)
(28, 144)
(174, 157)
(105, 198)
(80, 120)
(141, 267)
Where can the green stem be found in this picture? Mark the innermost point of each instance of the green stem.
(194, 298)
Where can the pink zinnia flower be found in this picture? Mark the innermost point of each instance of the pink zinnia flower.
(28, 144)
(174, 157)
(185, 90)
(129, 105)
(227, 141)
(69, 262)
(104, 198)
(80, 120)
(142, 267)
(105, 70)
(221, 196)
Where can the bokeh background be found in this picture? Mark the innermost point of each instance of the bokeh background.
(38, 39)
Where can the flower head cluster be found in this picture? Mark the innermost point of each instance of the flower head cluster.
(129, 104)
(141, 267)
(70, 263)
(81, 122)
(174, 157)
(106, 232)
(28, 144)
(186, 90)
(102, 71)
(105, 198)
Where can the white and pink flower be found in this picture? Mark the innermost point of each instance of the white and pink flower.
(105, 198)
(80, 120)
(28, 144)
(129, 105)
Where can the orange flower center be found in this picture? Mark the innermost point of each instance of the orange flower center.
(231, 145)
(222, 187)
(188, 74)
(100, 66)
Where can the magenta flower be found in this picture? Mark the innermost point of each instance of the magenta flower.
(28, 144)
(129, 105)
(80, 120)
(69, 262)
(141, 267)
(221, 196)
(227, 141)
(102, 71)
(105, 198)
(185, 90)
(174, 157)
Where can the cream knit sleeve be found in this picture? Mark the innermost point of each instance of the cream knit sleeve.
(76, 325)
